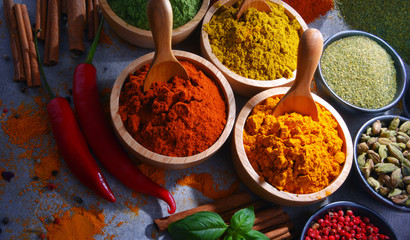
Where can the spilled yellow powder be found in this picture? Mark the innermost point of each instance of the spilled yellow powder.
(77, 224)
(204, 183)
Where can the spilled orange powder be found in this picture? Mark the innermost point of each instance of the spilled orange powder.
(76, 224)
(156, 174)
(204, 183)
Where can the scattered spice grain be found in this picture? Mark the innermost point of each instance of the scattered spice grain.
(261, 46)
(292, 152)
(360, 71)
(175, 118)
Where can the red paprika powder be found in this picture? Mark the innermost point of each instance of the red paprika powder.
(176, 118)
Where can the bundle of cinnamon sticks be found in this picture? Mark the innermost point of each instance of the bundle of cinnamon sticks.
(22, 44)
(270, 219)
(81, 15)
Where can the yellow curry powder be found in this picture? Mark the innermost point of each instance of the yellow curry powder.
(292, 152)
(259, 45)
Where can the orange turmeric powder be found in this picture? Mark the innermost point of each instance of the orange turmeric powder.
(76, 224)
(292, 152)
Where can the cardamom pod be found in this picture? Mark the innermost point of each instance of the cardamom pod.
(394, 124)
(383, 152)
(373, 183)
(402, 146)
(384, 190)
(394, 192)
(404, 135)
(385, 134)
(408, 188)
(385, 168)
(393, 160)
(407, 203)
(396, 178)
(364, 137)
(371, 141)
(384, 141)
(408, 145)
(395, 152)
(368, 168)
(405, 126)
(368, 130)
(405, 170)
(376, 127)
(375, 146)
(361, 160)
(401, 139)
(374, 156)
(406, 180)
(399, 199)
(385, 180)
(362, 148)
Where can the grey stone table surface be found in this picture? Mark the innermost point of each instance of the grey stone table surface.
(26, 206)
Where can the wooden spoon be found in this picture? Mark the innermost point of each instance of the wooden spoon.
(164, 66)
(260, 5)
(298, 98)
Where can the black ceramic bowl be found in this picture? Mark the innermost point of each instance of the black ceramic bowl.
(384, 119)
(358, 210)
(324, 88)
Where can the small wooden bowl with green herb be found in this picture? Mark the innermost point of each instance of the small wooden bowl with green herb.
(360, 72)
(143, 37)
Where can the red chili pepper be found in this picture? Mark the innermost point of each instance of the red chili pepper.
(72, 144)
(101, 138)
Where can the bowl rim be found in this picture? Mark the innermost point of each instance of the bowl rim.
(266, 190)
(248, 82)
(401, 77)
(160, 160)
(147, 33)
(370, 190)
(344, 205)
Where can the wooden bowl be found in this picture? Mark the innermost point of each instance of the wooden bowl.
(266, 190)
(143, 38)
(155, 159)
(242, 85)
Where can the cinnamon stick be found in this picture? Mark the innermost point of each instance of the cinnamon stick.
(38, 17)
(279, 231)
(269, 222)
(35, 73)
(52, 40)
(43, 19)
(96, 8)
(286, 235)
(76, 12)
(23, 42)
(63, 6)
(221, 205)
(90, 19)
(14, 40)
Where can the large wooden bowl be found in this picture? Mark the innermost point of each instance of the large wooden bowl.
(149, 157)
(242, 85)
(143, 38)
(264, 189)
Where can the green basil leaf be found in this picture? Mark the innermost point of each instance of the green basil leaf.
(242, 221)
(198, 226)
(255, 235)
(230, 234)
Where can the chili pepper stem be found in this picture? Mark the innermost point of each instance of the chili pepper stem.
(93, 47)
(40, 66)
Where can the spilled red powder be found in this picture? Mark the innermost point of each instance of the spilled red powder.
(310, 10)
(204, 183)
(105, 38)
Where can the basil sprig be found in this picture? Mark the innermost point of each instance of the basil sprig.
(210, 226)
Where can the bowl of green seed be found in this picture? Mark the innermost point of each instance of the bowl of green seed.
(360, 72)
(382, 159)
